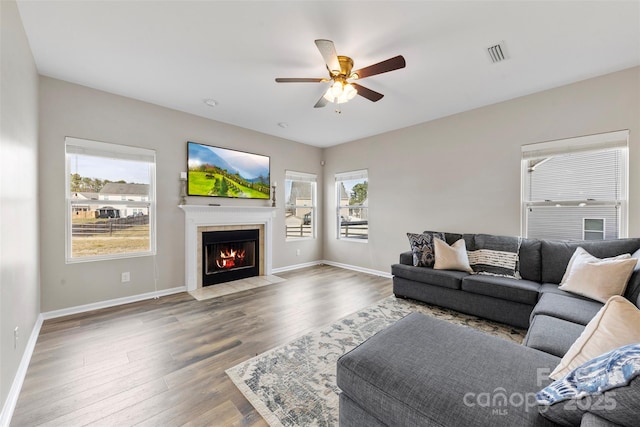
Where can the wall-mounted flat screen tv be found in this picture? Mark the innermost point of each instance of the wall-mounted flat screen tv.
(223, 172)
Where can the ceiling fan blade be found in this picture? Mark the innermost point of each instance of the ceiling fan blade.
(299, 80)
(321, 102)
(328, 52)
(371, 95)
(391, 64)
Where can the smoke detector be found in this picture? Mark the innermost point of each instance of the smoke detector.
(498, 52)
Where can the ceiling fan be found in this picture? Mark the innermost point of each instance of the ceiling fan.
(340, 68)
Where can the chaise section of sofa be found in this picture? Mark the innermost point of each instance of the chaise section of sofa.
(423, 371)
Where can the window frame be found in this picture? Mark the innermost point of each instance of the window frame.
(350, 176)
(113, 151)
(618, 140)
(587, 230)
(294, 176)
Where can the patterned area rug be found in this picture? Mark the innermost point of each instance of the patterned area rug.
(295, 384)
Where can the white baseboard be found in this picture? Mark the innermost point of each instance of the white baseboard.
(334, 264)
(357, 268)
(12, 398)
(111, 303)
(296, 266)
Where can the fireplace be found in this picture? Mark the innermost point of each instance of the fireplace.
(230, 255)
(199, 219)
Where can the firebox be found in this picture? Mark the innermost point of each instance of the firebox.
(229, 255)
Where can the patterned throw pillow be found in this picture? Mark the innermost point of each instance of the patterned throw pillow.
(608, 386)
(422, 248)
(495, 255)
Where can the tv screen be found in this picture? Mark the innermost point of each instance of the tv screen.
(223, 172)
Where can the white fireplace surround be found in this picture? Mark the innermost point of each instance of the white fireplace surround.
(204, 216)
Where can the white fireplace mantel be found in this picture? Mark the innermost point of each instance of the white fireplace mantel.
(203, 216)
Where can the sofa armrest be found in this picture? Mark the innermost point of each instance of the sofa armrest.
(406, 258)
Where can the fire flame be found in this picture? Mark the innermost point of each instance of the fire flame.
(229, 258)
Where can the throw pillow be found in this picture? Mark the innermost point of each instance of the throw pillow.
(597, 278)
(452, 257)
(422, 248)
(615, 325)
(495, 255)
(608, 385)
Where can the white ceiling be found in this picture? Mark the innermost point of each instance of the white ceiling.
(178, 53)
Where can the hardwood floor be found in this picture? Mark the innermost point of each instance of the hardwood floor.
(162, 362)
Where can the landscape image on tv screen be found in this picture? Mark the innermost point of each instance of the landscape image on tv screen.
(222, 172)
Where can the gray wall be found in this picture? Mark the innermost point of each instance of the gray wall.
(71, 110)
(462, 173)
(19, 273)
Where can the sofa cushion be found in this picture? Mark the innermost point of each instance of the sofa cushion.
(552, 335)
(445, 278)
(450, 238)
(556, 254)
(421, 370)
(604, 385)
(596, 278)
(574, 309)
(615, 325)
(524, 291)
(422, 248)
(530, 260)
(494, 255)
(552, 288)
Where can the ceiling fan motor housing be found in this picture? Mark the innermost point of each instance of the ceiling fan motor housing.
(346, 65)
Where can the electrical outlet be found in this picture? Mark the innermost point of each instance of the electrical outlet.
(297, 252)
(15, 338)
(126, 277)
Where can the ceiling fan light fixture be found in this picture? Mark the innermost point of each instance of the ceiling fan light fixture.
(340, 92)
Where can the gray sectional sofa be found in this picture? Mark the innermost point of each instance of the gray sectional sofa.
(424, 371)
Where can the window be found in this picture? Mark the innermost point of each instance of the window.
(110, 201)
(593, 229)
(576, 188)
(352, 205)
(300, 209)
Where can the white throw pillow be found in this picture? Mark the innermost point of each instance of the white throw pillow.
(452, 257)
(596, 278)
(616, 324)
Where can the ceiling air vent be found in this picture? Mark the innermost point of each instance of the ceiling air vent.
(498, 52)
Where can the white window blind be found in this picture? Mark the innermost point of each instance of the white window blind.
(352, 176)
(300, 176)
(111, 151)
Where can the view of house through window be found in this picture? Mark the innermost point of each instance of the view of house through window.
(110, 200)
(300, 201)
(593, 229)
(576, 188)
(352, 201)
